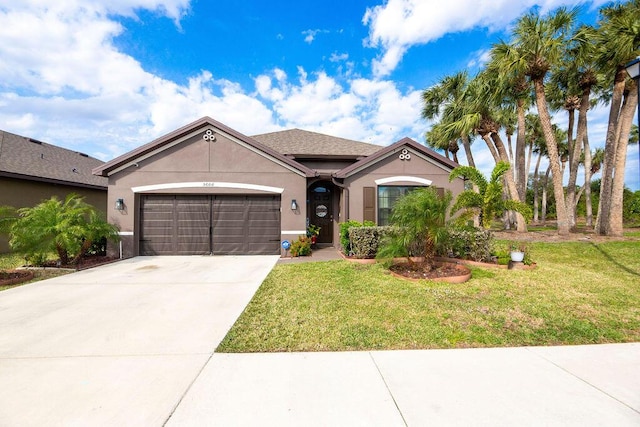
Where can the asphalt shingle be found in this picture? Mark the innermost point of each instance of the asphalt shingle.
(300, 143)
(31, 159)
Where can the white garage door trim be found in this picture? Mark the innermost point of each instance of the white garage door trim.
(207, 184)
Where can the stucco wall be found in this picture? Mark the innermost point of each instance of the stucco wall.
(21, 193)
(392, 166)
(208, 168)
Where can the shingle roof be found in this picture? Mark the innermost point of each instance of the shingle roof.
(112, 165)
(27, 158)
(300, 143)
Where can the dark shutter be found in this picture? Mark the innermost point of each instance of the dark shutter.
(369, 204)
(440, 192)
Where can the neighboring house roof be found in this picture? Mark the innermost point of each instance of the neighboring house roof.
(158, 144)
(303, 144)
(397, 147)
(26, 158)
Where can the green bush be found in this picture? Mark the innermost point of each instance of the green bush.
(468, 243)
(68, 228)
(344, 233)
(365, 241)
(418, 217)
(301, 247)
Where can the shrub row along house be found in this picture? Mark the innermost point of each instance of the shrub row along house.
(206, 188)
(32, 171)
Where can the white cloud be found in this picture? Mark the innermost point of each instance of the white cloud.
(479, 58)
(338, 57)
(69, 84)
(397, 25)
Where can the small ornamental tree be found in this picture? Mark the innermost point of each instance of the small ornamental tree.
(419, 219)
(67, 228)
(488, 202)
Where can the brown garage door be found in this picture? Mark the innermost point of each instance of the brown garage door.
(246, 225)
(196, 225)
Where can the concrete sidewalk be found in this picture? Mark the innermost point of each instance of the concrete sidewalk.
(594, 385)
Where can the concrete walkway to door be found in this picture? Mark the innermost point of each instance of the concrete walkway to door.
(120, 344)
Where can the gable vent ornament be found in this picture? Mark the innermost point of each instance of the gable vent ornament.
(209, 136)
(404, 154)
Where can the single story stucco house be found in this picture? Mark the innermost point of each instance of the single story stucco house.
(32, 171)
(208, 189)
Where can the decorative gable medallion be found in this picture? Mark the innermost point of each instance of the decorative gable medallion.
(404, 154)
(209, 136)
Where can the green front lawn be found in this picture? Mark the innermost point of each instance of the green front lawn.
(580, 293)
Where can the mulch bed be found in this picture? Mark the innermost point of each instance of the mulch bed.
(12, 277)
(454, 273)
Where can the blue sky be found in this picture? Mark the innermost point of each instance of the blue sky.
(104, 77)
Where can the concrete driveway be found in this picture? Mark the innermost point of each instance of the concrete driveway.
(118, 344)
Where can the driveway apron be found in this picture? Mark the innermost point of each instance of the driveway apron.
(118, 344)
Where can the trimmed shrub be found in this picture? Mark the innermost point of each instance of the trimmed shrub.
(365, 241)
(472, 244)
(344, 233)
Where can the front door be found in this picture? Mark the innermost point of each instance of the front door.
(321, 213)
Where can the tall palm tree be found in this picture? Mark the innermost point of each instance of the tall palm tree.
(512, 91)
(538, 44)
(618, 42)
(442, 101)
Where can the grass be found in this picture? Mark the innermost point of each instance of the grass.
(580, 293)
(12, 261)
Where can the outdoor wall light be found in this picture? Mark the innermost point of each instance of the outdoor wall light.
(294, 205)
(119, 204)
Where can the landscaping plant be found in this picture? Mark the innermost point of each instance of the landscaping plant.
(488, 202)
(67, 228)
(301, 247)
(420, 221)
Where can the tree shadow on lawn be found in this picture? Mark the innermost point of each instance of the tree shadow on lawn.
(614, 261)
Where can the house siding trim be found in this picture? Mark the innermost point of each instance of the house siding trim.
(207, 184)
(415, 179)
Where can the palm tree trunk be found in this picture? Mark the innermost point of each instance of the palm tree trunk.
(522, 174)
(467, 150)
(554, 161)
(617, 191)
(544, 195)
(574, 161)
(527, 169)
(536, 196)
(587, 179)
(492, 148)
(604, 205)
(511, 183)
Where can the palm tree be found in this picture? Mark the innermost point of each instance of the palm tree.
(538, 44)
(488, 201)
(441, 101)
(512, 91)
(420, 220)
(618, 42)
(66, 227)
(479, 115)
